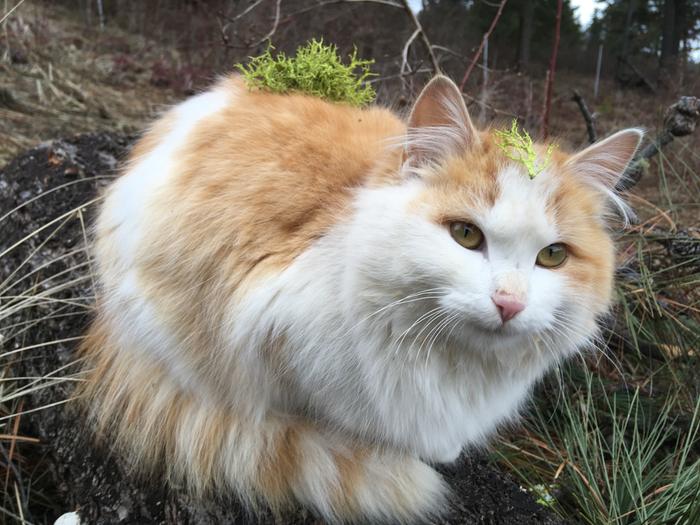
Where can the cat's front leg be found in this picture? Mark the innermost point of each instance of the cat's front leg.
(344, 480)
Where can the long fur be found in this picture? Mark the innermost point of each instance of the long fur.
(284, 315)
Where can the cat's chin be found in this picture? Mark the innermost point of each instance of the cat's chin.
(484, 336)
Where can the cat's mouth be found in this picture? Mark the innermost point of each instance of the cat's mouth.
(496, 330)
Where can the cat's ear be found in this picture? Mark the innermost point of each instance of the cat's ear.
(604, 163)
(439, 123)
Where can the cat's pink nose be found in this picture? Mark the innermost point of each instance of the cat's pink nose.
(508, 305)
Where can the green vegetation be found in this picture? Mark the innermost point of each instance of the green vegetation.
(518, 147)
(317, 70)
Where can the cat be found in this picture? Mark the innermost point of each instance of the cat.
(303, 302)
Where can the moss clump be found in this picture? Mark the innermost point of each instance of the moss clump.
(315, 70)
(519, 147)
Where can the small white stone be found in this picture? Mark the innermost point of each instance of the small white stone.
(69, 518)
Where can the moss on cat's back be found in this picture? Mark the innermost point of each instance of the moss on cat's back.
(316, 70)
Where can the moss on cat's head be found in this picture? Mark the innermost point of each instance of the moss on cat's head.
(316, 70)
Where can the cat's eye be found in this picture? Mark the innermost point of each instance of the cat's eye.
(552, 256)
(466, 234)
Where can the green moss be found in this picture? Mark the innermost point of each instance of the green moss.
(315, 70)
(518, 146)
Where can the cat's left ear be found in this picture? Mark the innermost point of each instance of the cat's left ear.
(439, 124)
(604, 163)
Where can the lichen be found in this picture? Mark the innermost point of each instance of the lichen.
(543, 495)
(316, 70)
(519, 147)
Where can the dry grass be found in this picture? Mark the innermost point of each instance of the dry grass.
(59, 77)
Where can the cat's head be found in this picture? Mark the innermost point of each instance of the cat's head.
(501, 253)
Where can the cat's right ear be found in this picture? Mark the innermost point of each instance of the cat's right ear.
(439, 124)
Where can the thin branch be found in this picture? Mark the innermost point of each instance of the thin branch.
(587, 116)
(481, 47)
(473, 100)
(245, 11)
(404, 54)
(550, 73)
(387, 3)
(462, 59)
(225, 21)
(414, 72)
(424, 37)
(278, 11)
(7, 15)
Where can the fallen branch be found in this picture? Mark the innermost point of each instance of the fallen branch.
(587, 116)
(680, 120)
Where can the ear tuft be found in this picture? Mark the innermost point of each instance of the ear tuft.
(603, 164)
(439, 123)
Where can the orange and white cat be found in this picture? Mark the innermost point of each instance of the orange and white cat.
(294, 309)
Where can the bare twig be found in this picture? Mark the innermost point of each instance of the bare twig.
(475, 59)
(225, 21)
(424, 37)
(405, 66)
(587, 116)
(550, 73)
(473, 100)
(326, 3)
(7, 15)
(245, 11)
(417, 71)
(275, 24)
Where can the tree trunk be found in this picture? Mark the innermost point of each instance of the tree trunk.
(679, 29)
(669, 44)
(621, 73)
(527, 10)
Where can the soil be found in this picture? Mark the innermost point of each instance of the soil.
(53, 184)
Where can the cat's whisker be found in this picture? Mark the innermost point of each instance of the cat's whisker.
(431, 293)
(438, 319)
(434, 334)
(449, 320)
(562, 319)
(399, 341)
(434, 315)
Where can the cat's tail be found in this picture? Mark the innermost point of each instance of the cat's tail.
(273, 460)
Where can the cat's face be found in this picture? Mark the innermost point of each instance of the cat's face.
(496, 259)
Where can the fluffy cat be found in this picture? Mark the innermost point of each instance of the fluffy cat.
(307, 302)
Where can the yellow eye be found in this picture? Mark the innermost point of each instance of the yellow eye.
(552, 256)
(466, 234)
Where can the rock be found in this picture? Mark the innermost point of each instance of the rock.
(45, 191)
(69, 518)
